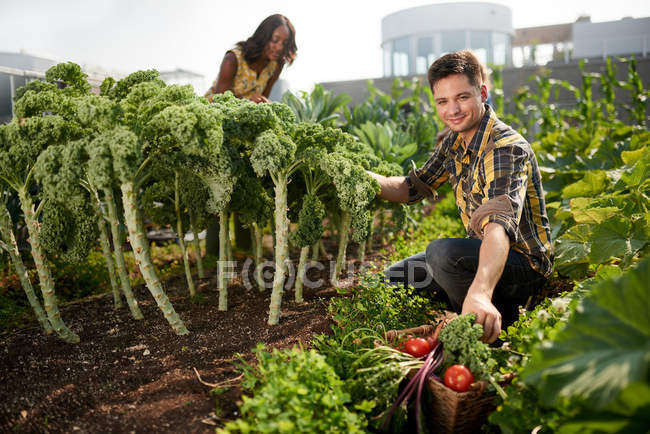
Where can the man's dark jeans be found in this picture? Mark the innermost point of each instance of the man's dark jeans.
(448, 266)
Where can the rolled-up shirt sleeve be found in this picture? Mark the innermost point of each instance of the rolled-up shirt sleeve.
(424, 182)
(506, 171)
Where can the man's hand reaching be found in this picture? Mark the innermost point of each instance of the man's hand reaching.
(487, 315)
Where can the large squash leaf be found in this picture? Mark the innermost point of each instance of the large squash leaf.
(593, 183)
(604, 348)
(629, 413)
(618, 238)
(583, 211)
(572, 251)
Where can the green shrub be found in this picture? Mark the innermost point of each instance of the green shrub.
(374, 304)
(293, 391)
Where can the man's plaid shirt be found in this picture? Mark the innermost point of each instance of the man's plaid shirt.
(495, 179)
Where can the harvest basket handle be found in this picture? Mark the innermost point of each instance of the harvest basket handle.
(423, 330)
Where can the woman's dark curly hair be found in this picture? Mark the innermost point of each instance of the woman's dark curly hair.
(254, 46)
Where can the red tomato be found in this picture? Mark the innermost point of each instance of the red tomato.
(417, 347)
(458, 378)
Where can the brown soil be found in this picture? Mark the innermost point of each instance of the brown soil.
(138, 376)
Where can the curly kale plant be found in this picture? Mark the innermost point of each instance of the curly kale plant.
(44, 117)
(71, 175)
(9, 244)
(274, 154)
(355, 190)
(308, 233)
(462, 346)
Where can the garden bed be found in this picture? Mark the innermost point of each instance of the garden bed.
(128, 375)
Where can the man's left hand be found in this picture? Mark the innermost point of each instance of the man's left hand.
(478, 303)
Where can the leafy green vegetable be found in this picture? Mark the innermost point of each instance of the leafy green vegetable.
(462, 346)
(294, 391)
(603, 348)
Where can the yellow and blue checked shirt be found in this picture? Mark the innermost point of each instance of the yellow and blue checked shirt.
(495, 179)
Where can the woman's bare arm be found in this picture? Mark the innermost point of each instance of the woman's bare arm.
(227, 73)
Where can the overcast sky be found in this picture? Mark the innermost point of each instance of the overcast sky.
(337, 39)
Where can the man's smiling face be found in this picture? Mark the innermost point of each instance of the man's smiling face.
(460, 104)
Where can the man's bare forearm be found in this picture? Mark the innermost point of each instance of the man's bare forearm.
(492, 259)
(393, 188)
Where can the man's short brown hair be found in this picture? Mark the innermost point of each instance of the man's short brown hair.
(460, 62)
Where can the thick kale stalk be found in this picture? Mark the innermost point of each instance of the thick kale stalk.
(71, 226)
(95, 170)
(223, 259)
(243, 122)
(281, 247)
(257, 252)
(196, 244)
(128, 166)
(314, 143)
(8, 243)
(122, 272)
(140, 245)
(184, 132)
(108, 259)
(344, 230)
(218, 178)
(162, 121)
(300, 277)
(181, 234)
(44, 274)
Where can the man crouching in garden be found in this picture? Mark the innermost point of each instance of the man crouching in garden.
(494, 175)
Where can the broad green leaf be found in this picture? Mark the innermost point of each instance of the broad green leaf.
(640, 233)
(608, 272)
(604, 348)
(638, 174)
(633, 406)
(593, 183)
(574, 245)
(407, 150)
(631, 157)
(577, 270)
(553, 205)
(630, 413)
(563, 211)
(610, 239)
(582, 213)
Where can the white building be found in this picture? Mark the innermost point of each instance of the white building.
(629, 36)
(413, 38)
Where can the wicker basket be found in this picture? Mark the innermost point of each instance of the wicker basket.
(450, 411)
